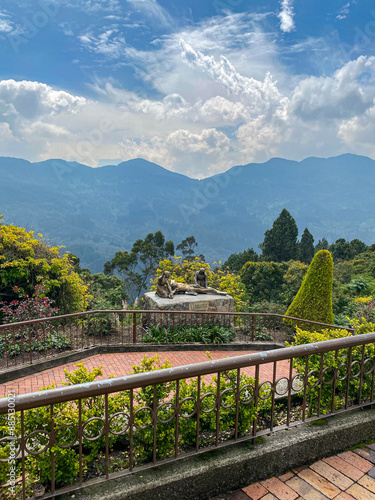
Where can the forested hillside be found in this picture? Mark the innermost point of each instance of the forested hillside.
(95, 212)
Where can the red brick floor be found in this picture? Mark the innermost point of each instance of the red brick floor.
(347, 476)
(120, 364)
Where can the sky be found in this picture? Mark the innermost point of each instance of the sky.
(195, 86)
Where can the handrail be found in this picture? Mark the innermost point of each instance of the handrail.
(198, 313)
(90, 389)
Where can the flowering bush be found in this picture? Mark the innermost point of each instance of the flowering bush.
(25, 260)
(363, 309)
(25, 338)
(37, 306)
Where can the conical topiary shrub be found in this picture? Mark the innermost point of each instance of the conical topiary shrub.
(314, 299)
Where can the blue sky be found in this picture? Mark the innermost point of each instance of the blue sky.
(195, 86)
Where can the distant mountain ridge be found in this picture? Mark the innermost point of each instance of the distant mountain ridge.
(95, 212)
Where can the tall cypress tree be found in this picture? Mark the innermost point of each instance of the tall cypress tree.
(280, 242)
(306, 247)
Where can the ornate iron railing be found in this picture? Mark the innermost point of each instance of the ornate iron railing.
(30, 341)
(75, 436)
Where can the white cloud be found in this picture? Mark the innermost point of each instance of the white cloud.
(344, 11)
(222, 111)
(45, 130)
(260, 135)
(182, 151)
(343, 95)
(259, 96)
(359, 131)
(221, 97)
(92, 6)
(238, 37)
(5, 132)
(209, 141)
(109, 43)
(153, 10)
(154, 150)
(5, 24)
(33, 99)
(286, 16)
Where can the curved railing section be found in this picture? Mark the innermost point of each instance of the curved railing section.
(64, 439)
(30, 341)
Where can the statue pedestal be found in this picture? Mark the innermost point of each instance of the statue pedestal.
(191, 303)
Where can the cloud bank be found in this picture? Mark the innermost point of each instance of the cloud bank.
(212, 95)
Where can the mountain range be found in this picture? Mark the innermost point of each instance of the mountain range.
(94, 212)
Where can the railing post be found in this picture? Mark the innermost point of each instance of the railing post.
(252, 328)
(134, 327)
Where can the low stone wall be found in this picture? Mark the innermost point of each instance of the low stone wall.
(214, 304)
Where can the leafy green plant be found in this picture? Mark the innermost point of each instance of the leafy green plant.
(263, 280)
(164, 399)
(206, 334)
(263, 336)
(20, 342)
(330, 363)
(98, 326)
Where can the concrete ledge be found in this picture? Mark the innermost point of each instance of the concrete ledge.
(207, 475)
(70, 357)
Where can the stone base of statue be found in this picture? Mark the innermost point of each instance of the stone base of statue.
(214, 304)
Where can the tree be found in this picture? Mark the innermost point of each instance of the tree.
(187, 247)
(343, 250)
(292, 282)
(124, 265)
(314, 299)
(340, 250)
(280, 242)
(137, 267)
(263, 280)
(26, 261)
(306, 247)
(237, 260)
(322, 245)
(107, 291)
(356, 247)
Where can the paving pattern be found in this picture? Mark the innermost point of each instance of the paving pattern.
(347, 476)
(120, 364)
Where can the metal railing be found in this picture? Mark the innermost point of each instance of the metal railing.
(63, 439)
(34, 340)
(30, 341)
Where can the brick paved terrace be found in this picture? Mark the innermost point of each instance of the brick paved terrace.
(120, 364)
(347, 476)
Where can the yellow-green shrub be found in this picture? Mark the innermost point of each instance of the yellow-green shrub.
(314, 299)
(26, 260)
(332, 363)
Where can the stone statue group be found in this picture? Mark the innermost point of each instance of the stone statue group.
(167, 291)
